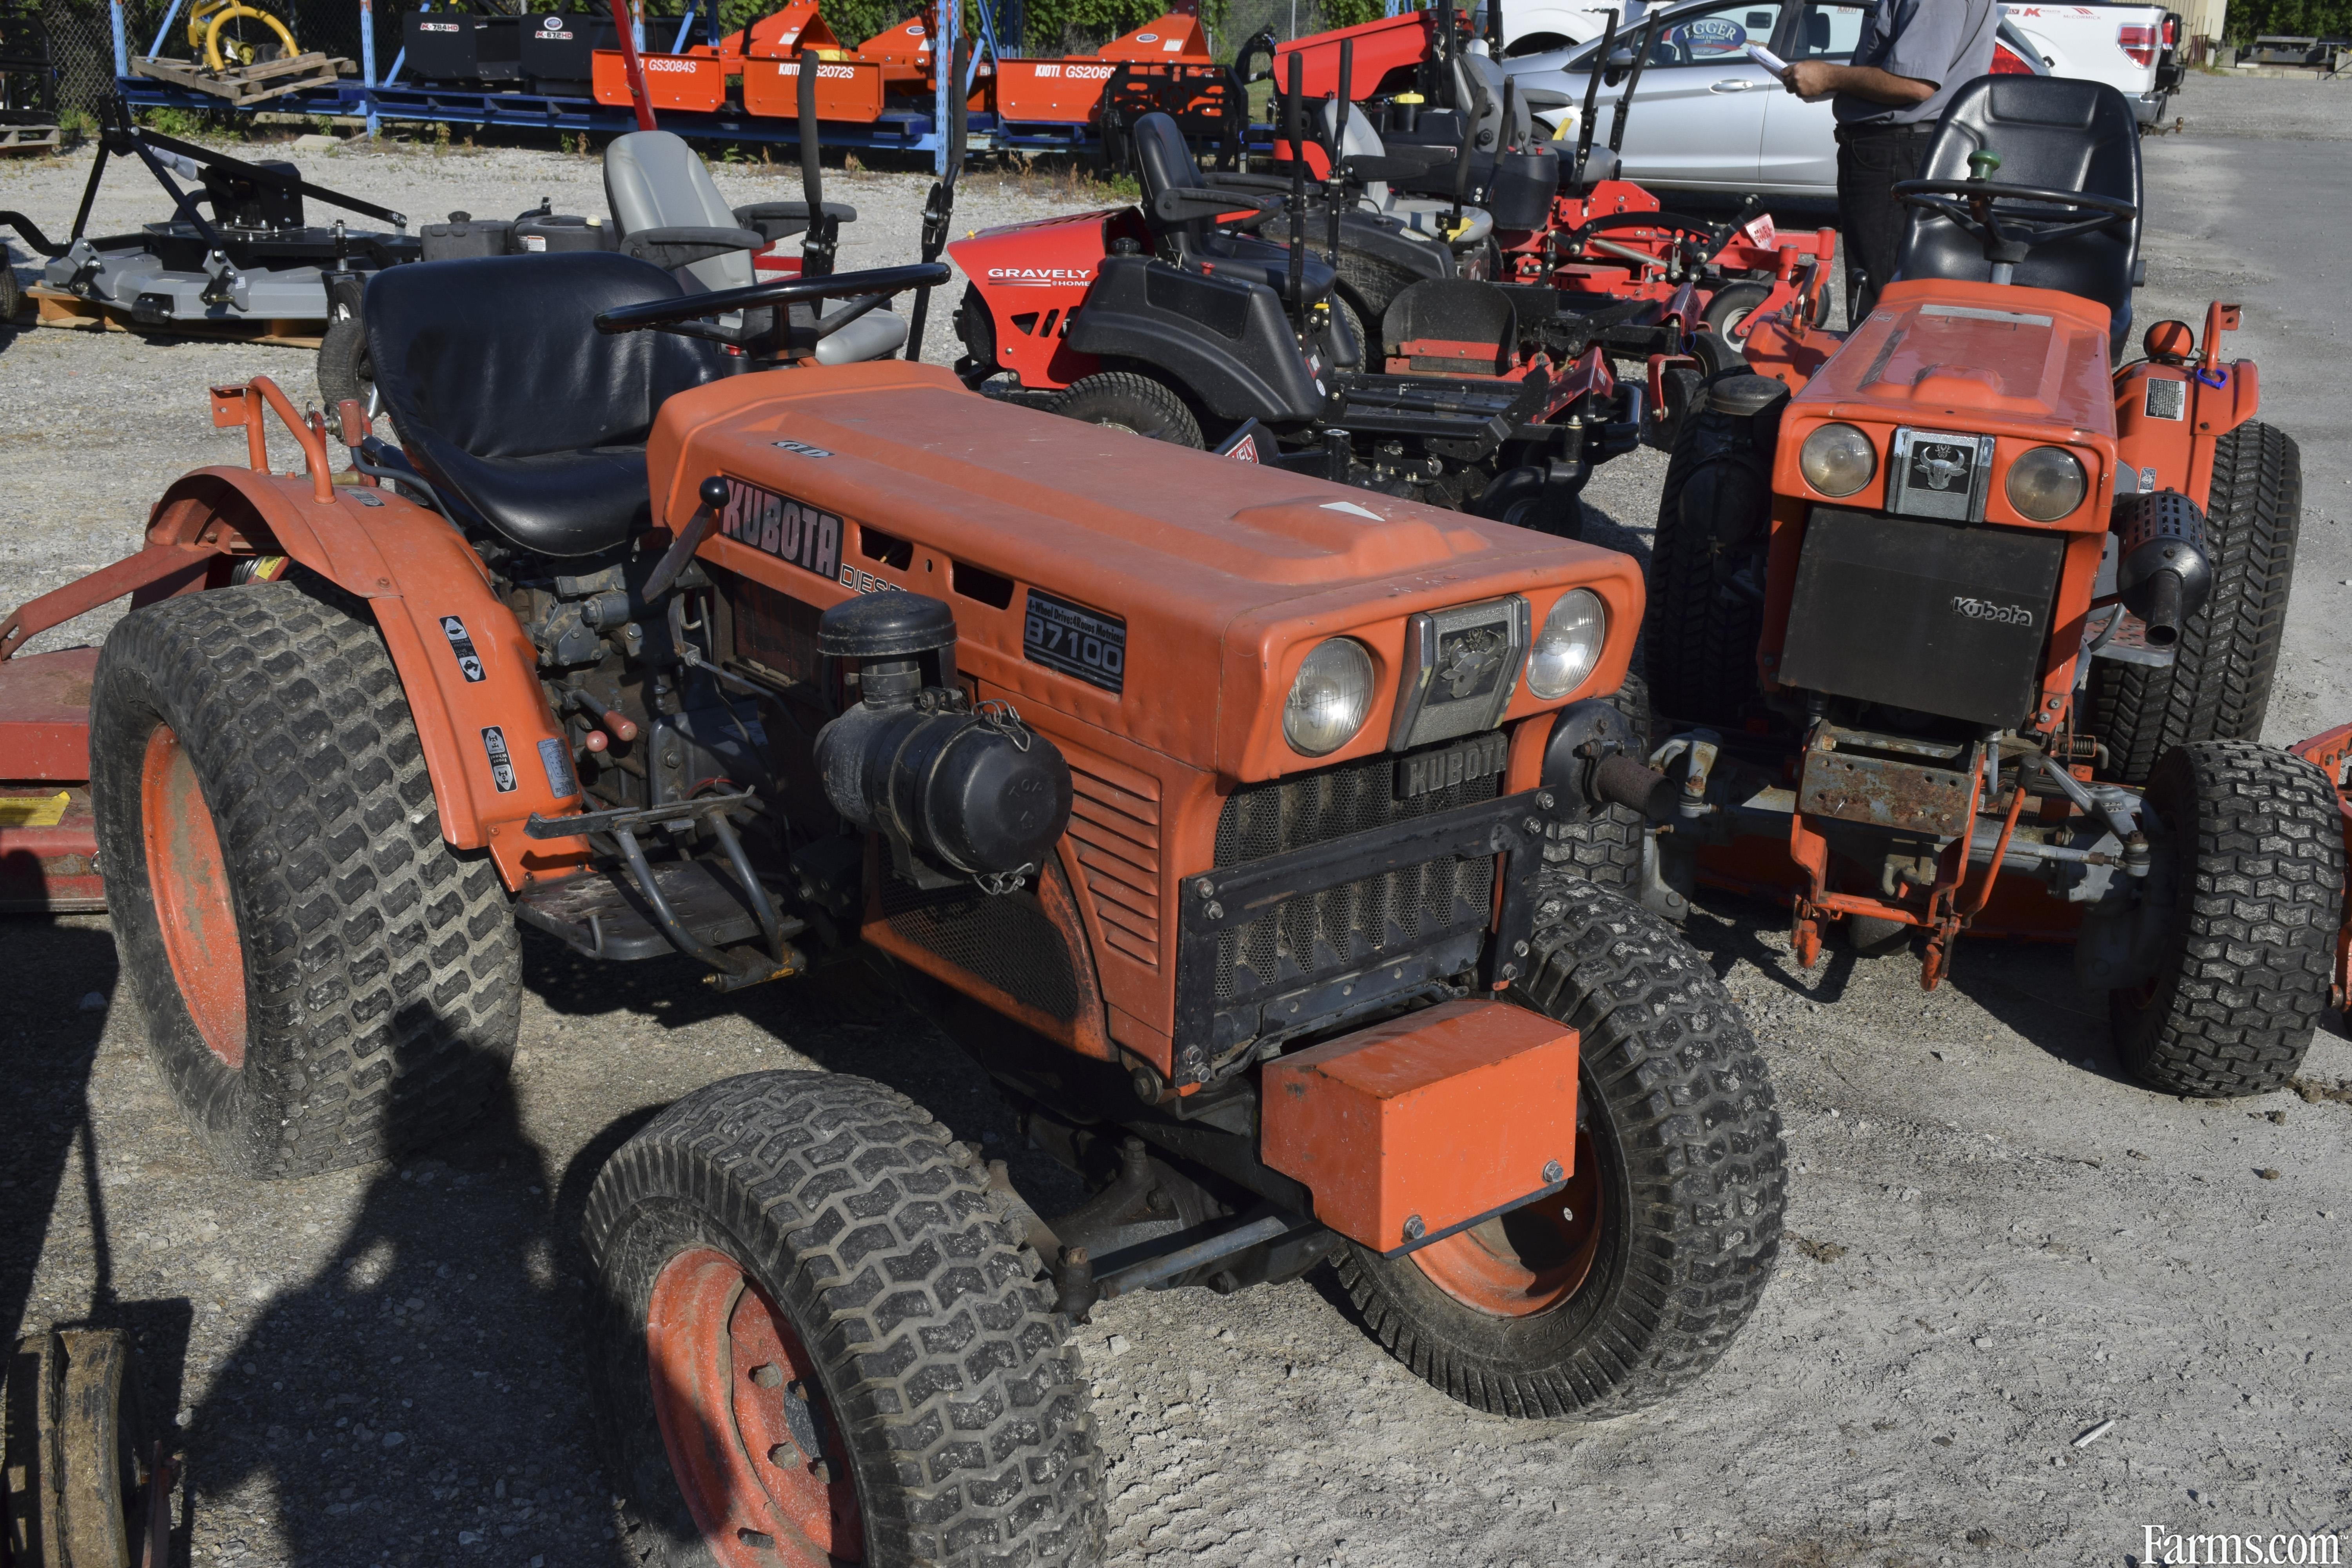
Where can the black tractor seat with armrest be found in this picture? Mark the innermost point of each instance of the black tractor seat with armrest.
(2059, 133)
(1164, 163)
(507, 398)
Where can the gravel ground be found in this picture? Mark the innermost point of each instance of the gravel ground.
(1996, 1240)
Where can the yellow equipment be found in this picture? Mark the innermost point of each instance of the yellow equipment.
(207, 17)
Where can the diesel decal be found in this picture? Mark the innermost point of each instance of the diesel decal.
(469, 663)
(1076, 641)
(788, 530)
(494, 741)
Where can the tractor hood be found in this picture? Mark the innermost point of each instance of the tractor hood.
(1164, 596)
(1999, 359)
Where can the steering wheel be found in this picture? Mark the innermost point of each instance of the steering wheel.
(684, 314)
(2003, 246)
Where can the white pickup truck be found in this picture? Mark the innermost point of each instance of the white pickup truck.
(2133, 48)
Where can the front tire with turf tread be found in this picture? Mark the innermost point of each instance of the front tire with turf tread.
(2257, 875)
(2218, 686)
(963, 1408)
(1683, 1110)
(383, 971)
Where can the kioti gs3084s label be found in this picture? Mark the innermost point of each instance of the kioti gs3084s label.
(793, 530)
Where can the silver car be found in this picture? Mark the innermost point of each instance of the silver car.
(1708, 118)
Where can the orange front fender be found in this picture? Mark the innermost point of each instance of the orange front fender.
(469, 673)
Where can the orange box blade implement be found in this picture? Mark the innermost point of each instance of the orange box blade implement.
(1441, 1117)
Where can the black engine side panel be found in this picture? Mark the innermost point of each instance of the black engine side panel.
(1939, 618)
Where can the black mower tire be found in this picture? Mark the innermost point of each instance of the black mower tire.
(1693, 1184)
(12, 294)
(2218, 686)
(960, 1409)
(1705, 614)
(2256, 849)
(344, 371)
(1370, 288)
(1131, 400)
(382, 972)
(1727, 314)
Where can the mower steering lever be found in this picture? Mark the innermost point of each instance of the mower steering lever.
(881, 283)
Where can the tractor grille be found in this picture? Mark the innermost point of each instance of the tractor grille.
(1005, 940)
(1115, 828)
(1359, 922)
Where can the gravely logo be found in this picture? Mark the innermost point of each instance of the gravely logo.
(1039, 277)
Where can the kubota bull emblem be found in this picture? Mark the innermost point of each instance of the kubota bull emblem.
(1941, 467)
(1470, 661)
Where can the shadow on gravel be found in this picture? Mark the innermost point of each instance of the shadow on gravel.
(46, 1054)
(2029, 988)
(419, 1400)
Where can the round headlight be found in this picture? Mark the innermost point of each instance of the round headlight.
(1330, 699)
(2046, 483)
(1837, 459)
(1569, 643)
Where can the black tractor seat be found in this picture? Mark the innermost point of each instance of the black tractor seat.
(1164, 163)
(2058, 133)
(514, 405)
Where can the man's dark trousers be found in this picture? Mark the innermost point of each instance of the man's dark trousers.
(1872, 218)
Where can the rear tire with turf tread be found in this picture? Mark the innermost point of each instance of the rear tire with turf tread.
(1371, 287)
(382, 969)
(1705, 614)
(1694, 1183)
(963, 1409)
(1129, 400)
(2218, 686)
(2257, 853)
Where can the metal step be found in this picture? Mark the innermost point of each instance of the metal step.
(603, 914)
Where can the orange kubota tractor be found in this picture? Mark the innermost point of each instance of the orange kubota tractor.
(1983, 624)
(1232, 817)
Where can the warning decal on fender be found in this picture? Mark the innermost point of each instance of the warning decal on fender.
(1076, 641)
(494, 741)
(470, 662)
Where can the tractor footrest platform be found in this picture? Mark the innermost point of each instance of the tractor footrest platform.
(602, 913)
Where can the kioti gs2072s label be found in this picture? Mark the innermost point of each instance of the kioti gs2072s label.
(788, 530)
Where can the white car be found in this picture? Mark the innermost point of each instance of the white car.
(1708, 118)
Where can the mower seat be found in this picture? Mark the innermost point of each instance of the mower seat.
(2058, 132)
(1164, 163)
(1422, 214)
(507, 398)
(661, 194)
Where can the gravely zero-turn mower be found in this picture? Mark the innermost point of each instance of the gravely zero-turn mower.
(1234, 820)
(1982, 626)
(1174, 320)
(1463, 163)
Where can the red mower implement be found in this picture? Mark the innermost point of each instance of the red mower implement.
(1233, 819)
(1982, 626)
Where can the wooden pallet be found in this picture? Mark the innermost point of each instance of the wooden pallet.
(56, 308)
(29, 138)
(242, 86)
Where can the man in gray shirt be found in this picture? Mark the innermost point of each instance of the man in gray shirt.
(1913, 55)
